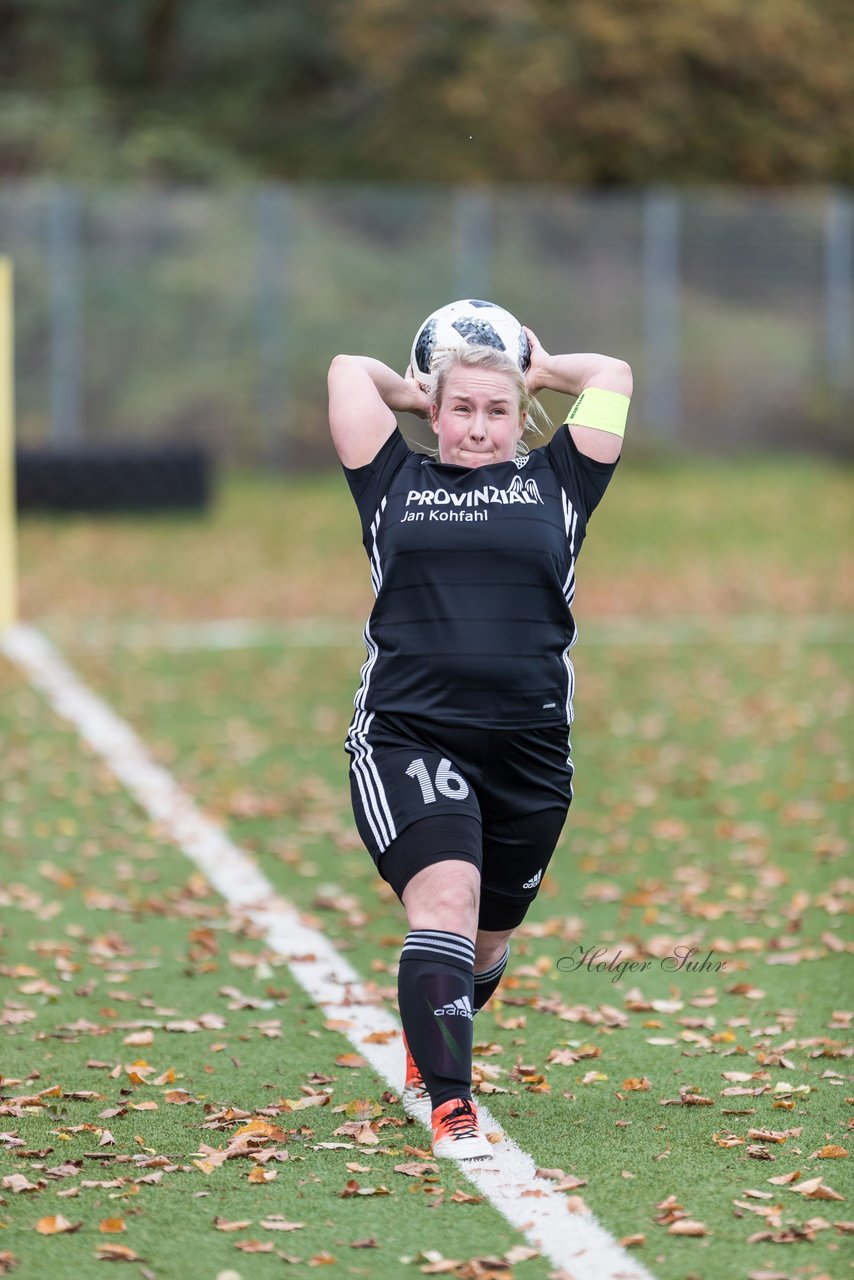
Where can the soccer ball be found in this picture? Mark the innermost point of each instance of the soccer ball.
(467, 322)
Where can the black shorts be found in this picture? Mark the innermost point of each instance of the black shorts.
(424, 793)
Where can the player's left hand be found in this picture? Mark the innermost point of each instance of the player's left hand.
(420, 405)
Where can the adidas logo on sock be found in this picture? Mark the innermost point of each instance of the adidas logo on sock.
(456, 1009)
(534, 880)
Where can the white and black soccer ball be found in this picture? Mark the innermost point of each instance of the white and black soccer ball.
(470, 321)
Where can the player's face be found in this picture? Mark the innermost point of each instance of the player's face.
(479, 420)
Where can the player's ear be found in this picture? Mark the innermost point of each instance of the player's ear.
(434, 417)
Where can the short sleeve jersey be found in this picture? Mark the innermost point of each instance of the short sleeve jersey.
(474, 576)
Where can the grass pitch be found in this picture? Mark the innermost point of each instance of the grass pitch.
(145, 1026)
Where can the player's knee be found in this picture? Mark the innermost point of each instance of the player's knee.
(489, 947)
(442, 898)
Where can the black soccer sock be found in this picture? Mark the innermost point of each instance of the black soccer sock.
(486, 982)
(435, 989)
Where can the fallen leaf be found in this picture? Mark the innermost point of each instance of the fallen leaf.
(352, 1188)
(139, 1038)
(815, 1189)
(56, 1225)
(112, 1226)
(520, 1253)
(116, 1253)
(415, 1168)
(17, 1183)
(261, 1129)
(178, 1097)
(727, 1139)
(687, 1227)
(240, 1224)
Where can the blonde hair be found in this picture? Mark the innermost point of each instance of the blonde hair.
(446, 359)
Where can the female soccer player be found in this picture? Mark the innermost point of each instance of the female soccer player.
(460, 768)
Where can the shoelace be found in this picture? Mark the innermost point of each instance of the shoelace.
(462, 1122)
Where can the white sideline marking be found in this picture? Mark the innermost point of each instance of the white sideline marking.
(332, 633)
(530, 1204)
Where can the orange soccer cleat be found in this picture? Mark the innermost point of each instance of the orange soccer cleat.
(416, 1099)
(456, 1131)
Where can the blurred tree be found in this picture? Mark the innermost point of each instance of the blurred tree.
(595, 92)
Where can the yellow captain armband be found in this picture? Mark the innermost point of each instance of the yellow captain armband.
(600, 410)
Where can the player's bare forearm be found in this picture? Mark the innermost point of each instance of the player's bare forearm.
(401, 395)
(571, 374)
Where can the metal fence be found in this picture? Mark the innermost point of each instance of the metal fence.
(211, 316)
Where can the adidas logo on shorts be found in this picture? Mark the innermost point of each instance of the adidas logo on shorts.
(456, 1009)
(534, 880)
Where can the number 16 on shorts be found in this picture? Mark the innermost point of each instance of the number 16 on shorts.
(447, 782)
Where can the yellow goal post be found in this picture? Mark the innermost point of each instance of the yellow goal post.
(8, 554)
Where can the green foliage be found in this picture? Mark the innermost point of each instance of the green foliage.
(597, 92)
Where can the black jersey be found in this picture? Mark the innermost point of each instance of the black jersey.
(474, 576)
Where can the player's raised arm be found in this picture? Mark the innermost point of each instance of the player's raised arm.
(364, 395)
(603, 386)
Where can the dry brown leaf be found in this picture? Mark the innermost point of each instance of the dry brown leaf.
(815, 1189)
(17, 1183)
(112, 1226)
(352, 1188)
(727, 1139)
(139, 1039)
(414, 1169)
(116, 1253)
(363, 1109)
(687, 1227)
(301, 1104)
(178, 1097)
(259, 1174)
(520, 1253)
(570, 1183)
(352, 1060)
(56, 1225)
(240, 1224)
(254, 1246)
(830, 1152)
(768, 1135)
(277, 1223)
